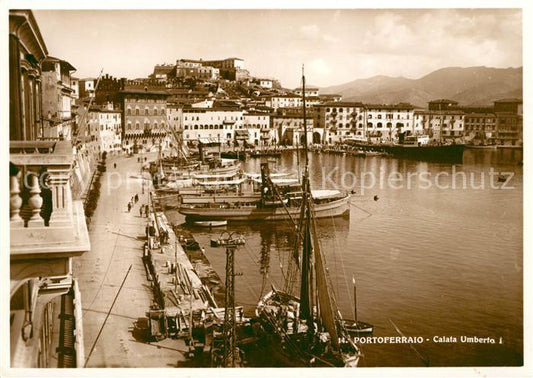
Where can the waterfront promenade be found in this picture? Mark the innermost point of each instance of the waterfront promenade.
(117, 238)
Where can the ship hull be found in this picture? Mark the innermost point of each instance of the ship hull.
(480, 147)
(452, 153)
(336, 208)
(448, 153)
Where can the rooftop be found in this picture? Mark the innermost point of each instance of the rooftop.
(49, 60)
(144, 92)
(340, 104)
(509, 100)
(443, 101)
(389, 106)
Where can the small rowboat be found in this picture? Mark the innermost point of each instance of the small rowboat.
(211, 223)
(224, 242)
(358, 327)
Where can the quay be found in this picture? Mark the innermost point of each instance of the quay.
(117, 238)
(143, 284)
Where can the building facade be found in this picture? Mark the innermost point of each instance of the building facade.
(265, 83)
(509, 121)
(27, 52)
(480, 128)
(87, 88)
(47, 221)
(340, 121)
(309, 91)
(105, 128)
(260, 132)
(446, 126)
(385, 123)
(144, 118)
(58, 98)
(216, 124)
(290, 128)
(284, 101)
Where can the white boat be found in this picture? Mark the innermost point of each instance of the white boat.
(219, 223)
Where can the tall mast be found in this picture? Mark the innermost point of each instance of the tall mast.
(305, 119)
(306, 291)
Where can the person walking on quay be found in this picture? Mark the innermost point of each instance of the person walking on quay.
(115, 165)
(136, 198)
(141, 210)
(129, 207)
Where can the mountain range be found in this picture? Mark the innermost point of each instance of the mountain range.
(470, 86)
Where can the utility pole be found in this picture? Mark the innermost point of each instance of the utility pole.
(230, 348)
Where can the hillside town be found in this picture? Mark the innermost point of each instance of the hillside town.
(220, 100)
(65, 126)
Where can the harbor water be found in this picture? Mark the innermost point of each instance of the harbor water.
(436, 249)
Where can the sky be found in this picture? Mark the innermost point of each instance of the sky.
(336, 46)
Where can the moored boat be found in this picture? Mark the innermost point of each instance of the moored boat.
(355, 328)
(334, 206)
(304, 327)
(211, 223)
(481, 146)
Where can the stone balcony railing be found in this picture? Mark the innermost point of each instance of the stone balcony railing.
(47, 226)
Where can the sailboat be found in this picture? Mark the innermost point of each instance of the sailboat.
(306, 329)
(357, 327)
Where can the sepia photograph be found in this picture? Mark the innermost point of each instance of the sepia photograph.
(272, 186)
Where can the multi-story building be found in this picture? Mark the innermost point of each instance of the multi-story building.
(108, 90)
(228, 63)
(144, 117)
(75, 85)
(284, 101)
(47, 221)
(265, 83)
(330, 97)
(340, 120)
(162, 72)
(511, 105)
(27, 51)
(105, 128)
(87, 87)
(509, 122)
(216, 124)
(442, 126)
(230, 68)
(174, 116)
(442, 105)
(197, 69)
(509, 129)
(58, 97)
(290, 128)
(259, 128)
(480, 128)
(309, 91)
(384, 123)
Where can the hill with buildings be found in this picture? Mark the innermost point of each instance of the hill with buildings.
(469, 86)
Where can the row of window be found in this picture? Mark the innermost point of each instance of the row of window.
(341, 110)
(231, 118)
(222, 127)
(146, 125)
(488, 120)
(144, 100)
(389, 116)
(478, 127)
(146, 112)
(437, 117)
